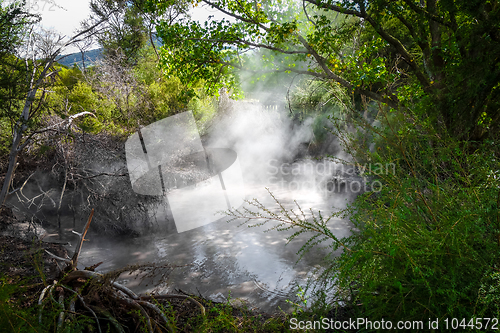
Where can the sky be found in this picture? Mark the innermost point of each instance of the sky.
(65, 16)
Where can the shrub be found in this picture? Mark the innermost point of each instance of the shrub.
(428, 240)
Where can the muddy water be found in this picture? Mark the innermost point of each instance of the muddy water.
(224, 260)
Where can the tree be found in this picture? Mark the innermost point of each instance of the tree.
(42, 51)
(439, 56)
(13, 22)
(128, 75)
(130, 24)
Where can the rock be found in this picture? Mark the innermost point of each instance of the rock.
(219, 298)
(24, 230)
(11, 226)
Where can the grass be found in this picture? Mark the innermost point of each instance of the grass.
(16, 316)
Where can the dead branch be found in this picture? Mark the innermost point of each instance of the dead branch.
(80, 298)
(87, 287)
(61, 304)
(159, 312)
(46, 290)
(68, 261)
(78, 248)
(68, 121)
(22, 186)
(80, 177)
(72, 305)
(125, 290)
(40, 301)
(63, 189)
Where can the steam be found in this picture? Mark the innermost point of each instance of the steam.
(273, 153)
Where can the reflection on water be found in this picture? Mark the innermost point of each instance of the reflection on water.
(223, 258)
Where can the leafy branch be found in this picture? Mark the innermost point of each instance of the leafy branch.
(290, 219)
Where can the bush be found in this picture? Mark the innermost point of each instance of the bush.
(429, 233)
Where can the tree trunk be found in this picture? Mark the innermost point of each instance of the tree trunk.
(16, 143)
(10, 170)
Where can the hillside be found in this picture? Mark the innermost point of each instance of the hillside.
(76, 58)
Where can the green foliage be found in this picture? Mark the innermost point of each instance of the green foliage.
(14, 20)
(224, 317)
(429, 234)
(69, 77)
(189, 58)
(71, 96)
(12, 88)
(16, 314)
(489, 294)
(129, 25)
(204, 110)
(316, 100)
(122, 96)
(5, 137)
(11, 318)
(443, 56)
(124, 32)
(430, 237)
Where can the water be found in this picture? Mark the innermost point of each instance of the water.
(221, 259)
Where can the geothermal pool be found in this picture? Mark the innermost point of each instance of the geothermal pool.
(221, 259)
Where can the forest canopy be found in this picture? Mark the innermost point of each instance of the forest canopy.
(439, 56)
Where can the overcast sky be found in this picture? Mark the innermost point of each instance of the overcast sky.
(65, 17)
